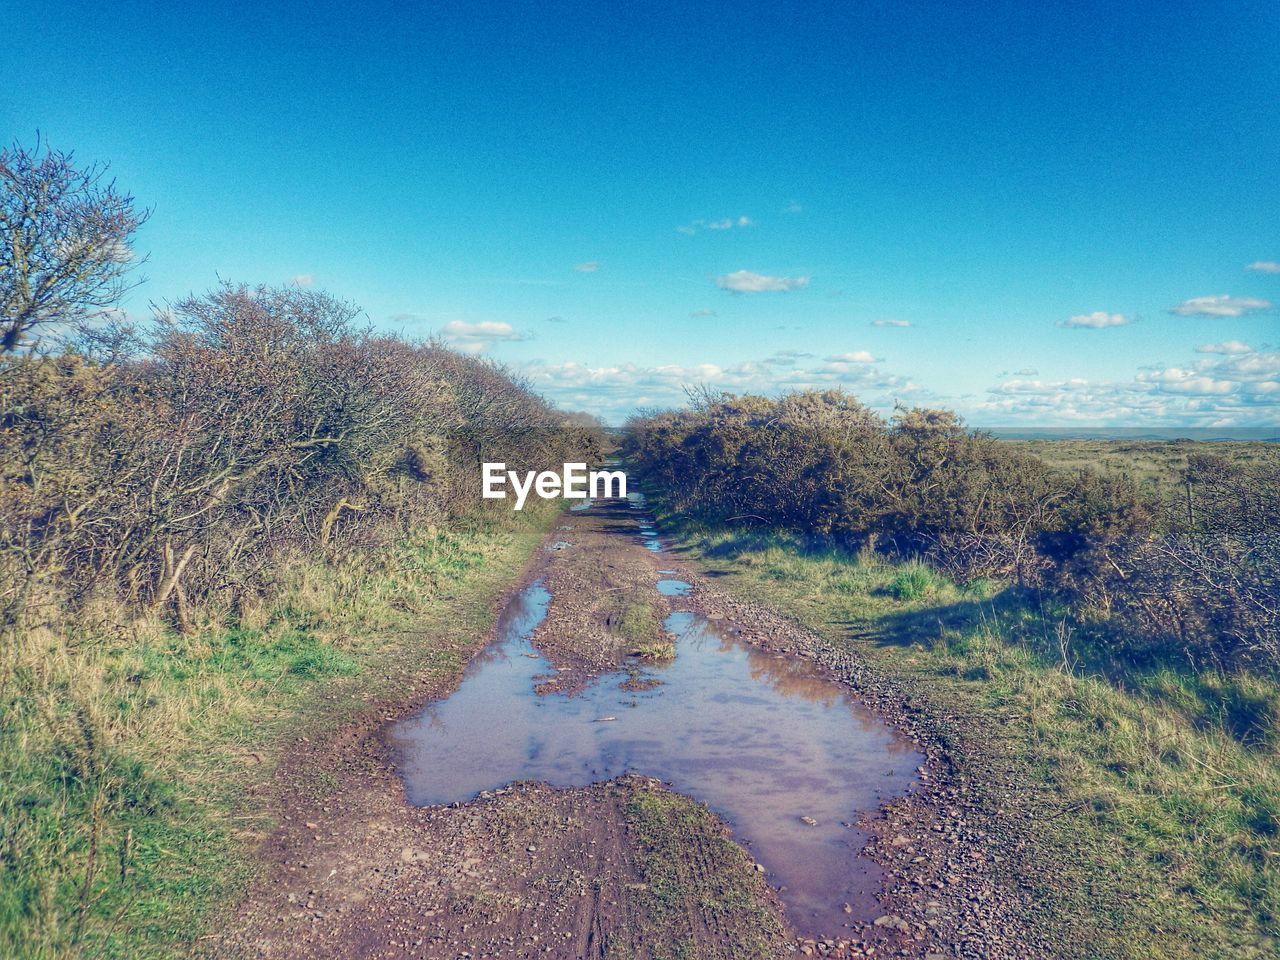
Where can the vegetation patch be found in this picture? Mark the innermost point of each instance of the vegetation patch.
(914, 581)
(695, 880)
(136, 755)
(1163, 781)
(657, 651)
(636, 621)
(1186, 565)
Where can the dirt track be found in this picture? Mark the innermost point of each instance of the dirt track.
(620, 869)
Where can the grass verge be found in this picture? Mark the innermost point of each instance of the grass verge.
(137, 760)
(1162, 785)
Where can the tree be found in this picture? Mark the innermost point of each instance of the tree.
(65, 236)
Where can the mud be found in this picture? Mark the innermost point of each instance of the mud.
(623, 868)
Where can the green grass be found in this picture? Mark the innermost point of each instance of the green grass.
(914, 581)
(656, 651)
(636, 622)
(133, 754)
(1156, 789)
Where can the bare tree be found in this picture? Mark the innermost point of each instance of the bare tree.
(65, 237)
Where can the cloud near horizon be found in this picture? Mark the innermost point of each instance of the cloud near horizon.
(1098, 320)
(1223, 306)
(1233, 388)
(1264, 266)
(744, 281)
(1228, 384)
(591, 267)
(614, 392)
(891, 323)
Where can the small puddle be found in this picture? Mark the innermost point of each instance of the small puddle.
(648, 535)
(784, 755)
(674, 588)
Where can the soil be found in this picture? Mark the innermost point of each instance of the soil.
(620, 869)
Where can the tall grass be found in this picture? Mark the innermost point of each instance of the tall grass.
(127, 746)
(914, 581)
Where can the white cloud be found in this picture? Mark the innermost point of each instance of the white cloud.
(1223, 306)
(788, 358)
(891, 323)
(1264, 266)
(478, 337)
(744, 281)
(1177, 380)
(302, 280)
(1255, 366)
(857, 356)
(1098, 320)
(1229, 347)
(702, 313)
(1026, 372)
(1019, 385)
(722, 223)
(792, 207)
(591, 267)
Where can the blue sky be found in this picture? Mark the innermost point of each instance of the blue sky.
(1034, 213)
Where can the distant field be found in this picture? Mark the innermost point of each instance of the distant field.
(1154, 462)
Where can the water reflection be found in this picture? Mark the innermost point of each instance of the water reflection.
(784, 755)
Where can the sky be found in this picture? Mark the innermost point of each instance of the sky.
(1041, 214)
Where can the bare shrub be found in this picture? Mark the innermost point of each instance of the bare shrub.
(65, 242)
(253, 421)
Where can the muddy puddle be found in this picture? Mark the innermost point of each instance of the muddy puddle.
(786, 757)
